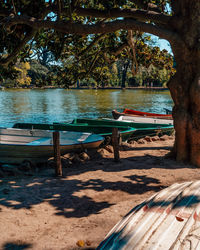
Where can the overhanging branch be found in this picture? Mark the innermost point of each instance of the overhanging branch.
(142, 15)
(114, 52)
(16, 51)
(29, 35)
(96, 40)
(85, 29)
(119, 49)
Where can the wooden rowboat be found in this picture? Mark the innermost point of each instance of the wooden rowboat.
(135, 113)
(170, 219)
(141, 119)
(17, 145)
(102, 129)
(118, 123)
(146, 120)
(140, 129)
(147, 114)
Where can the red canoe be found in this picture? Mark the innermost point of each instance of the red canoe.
(140, 113)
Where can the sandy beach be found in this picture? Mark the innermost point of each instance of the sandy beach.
(76, 211)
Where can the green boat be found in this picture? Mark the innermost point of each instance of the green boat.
(100, 129)
(103, 127)
(112, 122)
(141, 129)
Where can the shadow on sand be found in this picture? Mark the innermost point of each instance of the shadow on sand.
(16, 246)
(61, 193)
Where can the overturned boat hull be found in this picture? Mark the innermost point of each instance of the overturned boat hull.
(170, 219)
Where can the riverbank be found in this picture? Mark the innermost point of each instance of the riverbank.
(134, 88)
(39, 211)
(95, 88)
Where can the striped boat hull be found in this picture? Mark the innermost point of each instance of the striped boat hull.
(168, 220)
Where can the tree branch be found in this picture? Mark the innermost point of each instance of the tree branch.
(115, 52)
(142, 15)
(119, 49)
(84, 29)
(97, 39)
(134, 67)
(14, 9)
(93, 63)
(8, 59)
(5, 61)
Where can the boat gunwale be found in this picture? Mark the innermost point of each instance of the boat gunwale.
(110, 120)
(145, 114)
(122, 129)
(50, 145)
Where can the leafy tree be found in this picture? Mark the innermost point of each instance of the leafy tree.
(22, 76)
(100, 27)
(38, 73)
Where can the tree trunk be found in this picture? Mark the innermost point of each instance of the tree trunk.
(124, 73)
(185, 91)
(185, 85)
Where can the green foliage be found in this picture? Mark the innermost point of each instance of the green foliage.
(22, 76)
(158, 77)
(38, 73)
(71, 57)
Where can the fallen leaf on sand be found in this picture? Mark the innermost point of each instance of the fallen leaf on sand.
(80, 243)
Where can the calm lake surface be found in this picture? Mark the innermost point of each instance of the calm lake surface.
(61, 105)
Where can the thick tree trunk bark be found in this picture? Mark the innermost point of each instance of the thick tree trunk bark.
(186, 114)
(194, 122)
(181, 118)
(185, 85)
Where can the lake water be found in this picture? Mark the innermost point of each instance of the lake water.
(61, 105)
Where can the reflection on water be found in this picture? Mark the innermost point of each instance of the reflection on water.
(60, 105)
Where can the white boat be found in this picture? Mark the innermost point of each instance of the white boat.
(146, 120)
(17, 145)
(170, 219)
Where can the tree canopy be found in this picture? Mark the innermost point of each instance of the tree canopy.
(86, 36)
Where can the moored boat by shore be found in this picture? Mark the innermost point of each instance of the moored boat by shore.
(17, 145)
(141, 119)
(146, 114)
(127, 130)
(141, 129)
(102, 129)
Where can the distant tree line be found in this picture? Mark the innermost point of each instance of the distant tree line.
(43, 70)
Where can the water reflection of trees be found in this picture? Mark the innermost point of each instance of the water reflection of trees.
(59, 105)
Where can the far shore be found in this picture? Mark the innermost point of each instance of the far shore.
(138, 88)
(83, 88)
